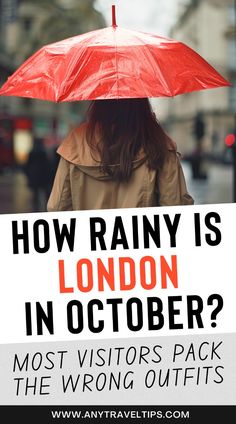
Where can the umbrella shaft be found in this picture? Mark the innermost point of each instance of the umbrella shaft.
(113, 8)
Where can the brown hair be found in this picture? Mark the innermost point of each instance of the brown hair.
(125, 126)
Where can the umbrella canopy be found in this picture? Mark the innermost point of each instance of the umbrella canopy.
(112, 63)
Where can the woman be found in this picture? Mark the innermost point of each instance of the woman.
(119, 158)
(37, 180)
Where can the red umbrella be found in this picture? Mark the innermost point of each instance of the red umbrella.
(112, 63)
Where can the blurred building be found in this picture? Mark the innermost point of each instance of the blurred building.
(207, 26)
(25, 26)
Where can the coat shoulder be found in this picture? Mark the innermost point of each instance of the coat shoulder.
(74, 148)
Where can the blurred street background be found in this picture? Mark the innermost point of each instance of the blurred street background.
(201, 123)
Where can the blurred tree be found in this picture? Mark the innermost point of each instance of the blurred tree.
(47, 21)
(57, 20)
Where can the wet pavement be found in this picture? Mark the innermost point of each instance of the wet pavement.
(16, 196)
(217, 188)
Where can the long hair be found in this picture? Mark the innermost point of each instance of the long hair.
(124, 127)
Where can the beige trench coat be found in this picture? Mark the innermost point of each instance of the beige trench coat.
(80, 184)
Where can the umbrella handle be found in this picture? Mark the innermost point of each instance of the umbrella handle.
(113, 10)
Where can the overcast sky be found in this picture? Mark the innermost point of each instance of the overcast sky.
(154, 16)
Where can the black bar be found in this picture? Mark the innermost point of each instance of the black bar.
(189, 414)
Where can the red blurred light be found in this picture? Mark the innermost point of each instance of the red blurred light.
(23, 124)
(230, 140)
